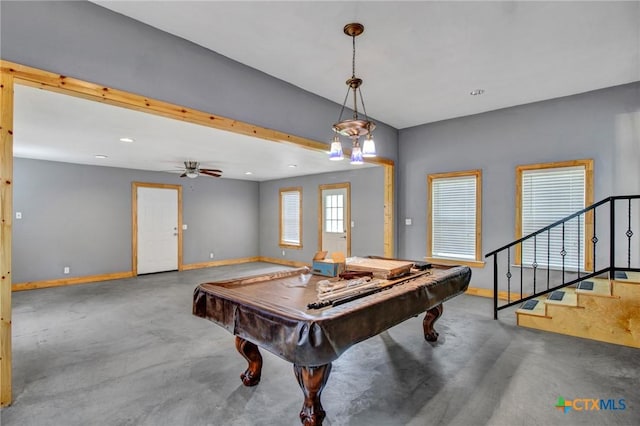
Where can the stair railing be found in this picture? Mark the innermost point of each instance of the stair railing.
(573, 255)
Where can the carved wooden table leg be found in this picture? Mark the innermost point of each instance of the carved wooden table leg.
(312, 381)
(250, 352)
(430, 334)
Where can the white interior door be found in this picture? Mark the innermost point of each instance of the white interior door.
(157, 229)
(335, 226)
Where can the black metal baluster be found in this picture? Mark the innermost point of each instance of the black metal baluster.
(579, 245)
(535, 262)
(594, 240)
(509, 275)
(548, 257)
(563, 252)
(612, 239)
(495, 286)
(521, 266)
(629, 234)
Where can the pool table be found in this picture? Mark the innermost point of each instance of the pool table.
(272, 311)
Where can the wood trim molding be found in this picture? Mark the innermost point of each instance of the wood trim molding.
(32, 285)
(486, 292)
(329, 186)
(71, 86)
(456, 262)
(277, 261)
(6, 220)
(134, 220)
(224, 262)
(389, 211)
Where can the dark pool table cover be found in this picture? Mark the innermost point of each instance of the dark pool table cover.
(273, 313)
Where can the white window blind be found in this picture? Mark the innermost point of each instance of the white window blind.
(453, 227)
(290, 210)
(549, 195)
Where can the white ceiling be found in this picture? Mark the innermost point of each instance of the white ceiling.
(419, 59)
(56, 127)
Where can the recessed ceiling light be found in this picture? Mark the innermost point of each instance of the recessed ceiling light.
(293, 166)
(128, 140)
(248, 173)
(476, 92)
(101, 156)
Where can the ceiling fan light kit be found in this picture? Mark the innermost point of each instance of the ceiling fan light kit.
(357, 125)
(192, 170)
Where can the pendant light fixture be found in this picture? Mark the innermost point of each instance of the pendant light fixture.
(357, 126)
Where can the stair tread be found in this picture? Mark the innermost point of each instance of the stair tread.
(632, 277)
(533, 307)
(568, 297)
(599, 286)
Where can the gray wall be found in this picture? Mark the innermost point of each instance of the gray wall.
(367, 211)
(86, 41)
(603, 125)
(80, 216)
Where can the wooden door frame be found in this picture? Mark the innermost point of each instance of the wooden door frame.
(329, 186)
(134, 220)
(12, 73)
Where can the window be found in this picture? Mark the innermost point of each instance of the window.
(334, 213)
(545, 194)
(454, 217)
(291, 217)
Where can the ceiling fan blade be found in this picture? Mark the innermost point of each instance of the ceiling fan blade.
(211, 170)
(183, 174)
(208, 173)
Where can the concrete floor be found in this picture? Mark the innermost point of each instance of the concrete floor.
(129, 352)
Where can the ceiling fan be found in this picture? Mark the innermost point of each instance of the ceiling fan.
(192, 170)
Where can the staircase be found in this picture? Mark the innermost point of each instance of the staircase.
(599, 304)
(597, 309)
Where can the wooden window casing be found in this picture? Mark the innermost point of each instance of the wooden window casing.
(476, 259)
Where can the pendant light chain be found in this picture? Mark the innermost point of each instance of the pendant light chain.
(357, 126)
(353, 58)
(353, 76)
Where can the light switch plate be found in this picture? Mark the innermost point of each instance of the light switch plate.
(18, 215)
(408, 221)
(184, 226)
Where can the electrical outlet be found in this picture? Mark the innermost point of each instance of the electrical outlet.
(211, 255)
(66, 270)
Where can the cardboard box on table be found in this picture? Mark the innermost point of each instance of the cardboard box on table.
(328, 267)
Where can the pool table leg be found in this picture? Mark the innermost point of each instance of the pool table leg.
(430, 334)
(250, 352)
(312, 381)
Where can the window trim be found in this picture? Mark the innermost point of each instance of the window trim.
(282, 243)
(588, 200)
(477, 262)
